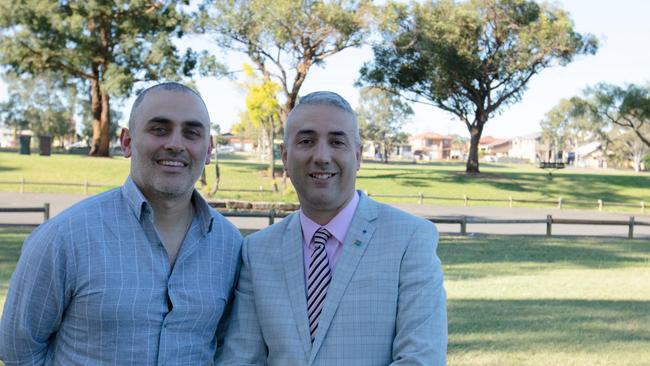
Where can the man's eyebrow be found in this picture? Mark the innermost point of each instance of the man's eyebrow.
(167, 121)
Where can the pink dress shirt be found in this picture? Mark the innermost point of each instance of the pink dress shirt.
(338, 227)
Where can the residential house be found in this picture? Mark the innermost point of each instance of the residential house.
(430, 145)
(492, 146)
(528, 148)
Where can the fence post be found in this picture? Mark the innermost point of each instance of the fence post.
(46, 211)
(642, 207)
(600, 205)
(549, 222)
(466, 199)
(420, 198)
(559, 203)
(510, 201)
(463, 225)
(22, 184)
(86, 187)
(271, 216)
(630, 232)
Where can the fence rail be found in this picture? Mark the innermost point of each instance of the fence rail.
(463, 221)
(510, 201)
(600, 204)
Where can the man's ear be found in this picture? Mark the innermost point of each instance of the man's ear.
(210, 148)
(125, 142)
(359, 155)
(283, 154)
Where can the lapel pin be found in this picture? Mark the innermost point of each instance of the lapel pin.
(357, 242)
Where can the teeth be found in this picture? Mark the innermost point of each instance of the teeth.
(171, 163)
(322, 175)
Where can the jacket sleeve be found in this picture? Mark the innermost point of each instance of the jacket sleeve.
(421, 325)
(243, 344)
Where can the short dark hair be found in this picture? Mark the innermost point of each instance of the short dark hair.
(168, 85)
(331, 99)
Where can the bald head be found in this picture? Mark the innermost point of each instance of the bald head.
(167, 86)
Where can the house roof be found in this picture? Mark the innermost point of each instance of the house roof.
(492, 141)
(430, 135)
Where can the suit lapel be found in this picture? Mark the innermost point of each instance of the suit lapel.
(356, 241)
(294, 275)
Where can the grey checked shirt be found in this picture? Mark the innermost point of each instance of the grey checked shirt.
(94, 286)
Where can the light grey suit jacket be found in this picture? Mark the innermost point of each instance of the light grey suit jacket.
(385, 304)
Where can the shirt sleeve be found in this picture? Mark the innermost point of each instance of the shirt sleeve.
(421, 325)
(39, 292)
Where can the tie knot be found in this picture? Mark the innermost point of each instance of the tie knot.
(320, 236)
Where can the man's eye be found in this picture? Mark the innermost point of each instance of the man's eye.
(159, 130)
(192, 134)
(304, 141)
(338, 142)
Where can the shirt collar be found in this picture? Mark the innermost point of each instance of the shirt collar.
(140, 206)
(338, 225)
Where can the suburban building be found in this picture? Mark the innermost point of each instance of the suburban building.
(431, 146)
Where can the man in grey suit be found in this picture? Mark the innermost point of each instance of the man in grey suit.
(344, 281)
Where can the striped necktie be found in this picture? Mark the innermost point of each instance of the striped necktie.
(318, 279)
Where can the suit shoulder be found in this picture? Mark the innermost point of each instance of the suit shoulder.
(390, 214)
(276, 230)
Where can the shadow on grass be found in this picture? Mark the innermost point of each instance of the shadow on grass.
(539, 325)
(531, 254)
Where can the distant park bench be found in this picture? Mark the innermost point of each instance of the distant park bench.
(551, 165)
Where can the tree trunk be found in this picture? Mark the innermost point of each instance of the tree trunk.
(215, 188)
(100, 106)
(472, 160)
(271, 157)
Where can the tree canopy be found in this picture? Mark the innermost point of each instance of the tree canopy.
(470, 58)
(381, 117)
(286, 39)
(106, 46)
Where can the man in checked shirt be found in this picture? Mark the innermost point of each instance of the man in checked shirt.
(139, 275)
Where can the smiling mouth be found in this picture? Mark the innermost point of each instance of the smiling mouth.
(172, 163)
(322, 176)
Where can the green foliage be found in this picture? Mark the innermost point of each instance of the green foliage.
(106, 45)
(627, 107)
(45, 104)
(470, 58)
(285, 39)
(263, 111)
(381, 116)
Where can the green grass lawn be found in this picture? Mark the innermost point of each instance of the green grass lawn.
(538, 301)
(516, 301)
(445, 179)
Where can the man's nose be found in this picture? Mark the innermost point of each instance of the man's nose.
(175, 142)
(322, 153)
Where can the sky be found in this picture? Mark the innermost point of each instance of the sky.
(623, 57)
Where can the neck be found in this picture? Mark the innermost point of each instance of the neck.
(171, 210)
(323, 216)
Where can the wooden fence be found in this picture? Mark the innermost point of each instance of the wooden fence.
(511, 201)
(463, 221)
(420, 197)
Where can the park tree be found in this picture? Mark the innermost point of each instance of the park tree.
(566, 127)
(626, 147)
(45, 104)
(263, 113)
(470, 58)
(381, 117)
(105, 45)
(627, 107)
(286, 38)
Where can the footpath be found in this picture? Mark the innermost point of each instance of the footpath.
(59, 202)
